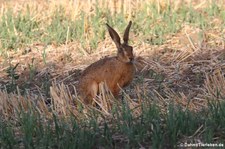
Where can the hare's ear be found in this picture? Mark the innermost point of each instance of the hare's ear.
(115, 37)
(126, 33)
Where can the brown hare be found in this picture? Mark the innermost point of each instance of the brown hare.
(117, 72)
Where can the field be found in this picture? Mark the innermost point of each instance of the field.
(176, 99)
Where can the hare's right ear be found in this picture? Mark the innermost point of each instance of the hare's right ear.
(126, 33)
(115, 37)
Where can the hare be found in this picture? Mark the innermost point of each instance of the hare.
(117, 72)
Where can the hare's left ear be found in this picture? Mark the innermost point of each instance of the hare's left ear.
(126, 33)
(114, 35)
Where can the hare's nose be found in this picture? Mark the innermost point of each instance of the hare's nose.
(131, 59)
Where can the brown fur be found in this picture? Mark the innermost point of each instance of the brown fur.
(115, 71)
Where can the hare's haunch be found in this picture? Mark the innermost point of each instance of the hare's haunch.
(115, 71)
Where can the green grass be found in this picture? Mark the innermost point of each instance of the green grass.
(151, 128)
(20, 30)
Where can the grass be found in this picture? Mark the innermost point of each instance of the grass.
(20, 29)
(151, 128)
(176, 97)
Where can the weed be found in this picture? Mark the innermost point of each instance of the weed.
(44, 55)
(151, 126)
(7, 136)
(12, 74)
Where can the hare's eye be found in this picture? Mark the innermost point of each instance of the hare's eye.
(124, 49)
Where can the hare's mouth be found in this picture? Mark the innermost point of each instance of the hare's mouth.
(131, 62)
(131, 59)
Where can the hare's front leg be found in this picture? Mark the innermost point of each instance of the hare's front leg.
(91, 92)
(115, 91)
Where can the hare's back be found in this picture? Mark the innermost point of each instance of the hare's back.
(103, 65)
(109, 69)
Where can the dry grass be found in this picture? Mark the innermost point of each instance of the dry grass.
(185, 70)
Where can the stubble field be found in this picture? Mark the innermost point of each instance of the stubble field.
(176, 97)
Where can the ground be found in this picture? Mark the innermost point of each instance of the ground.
(180, 63)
